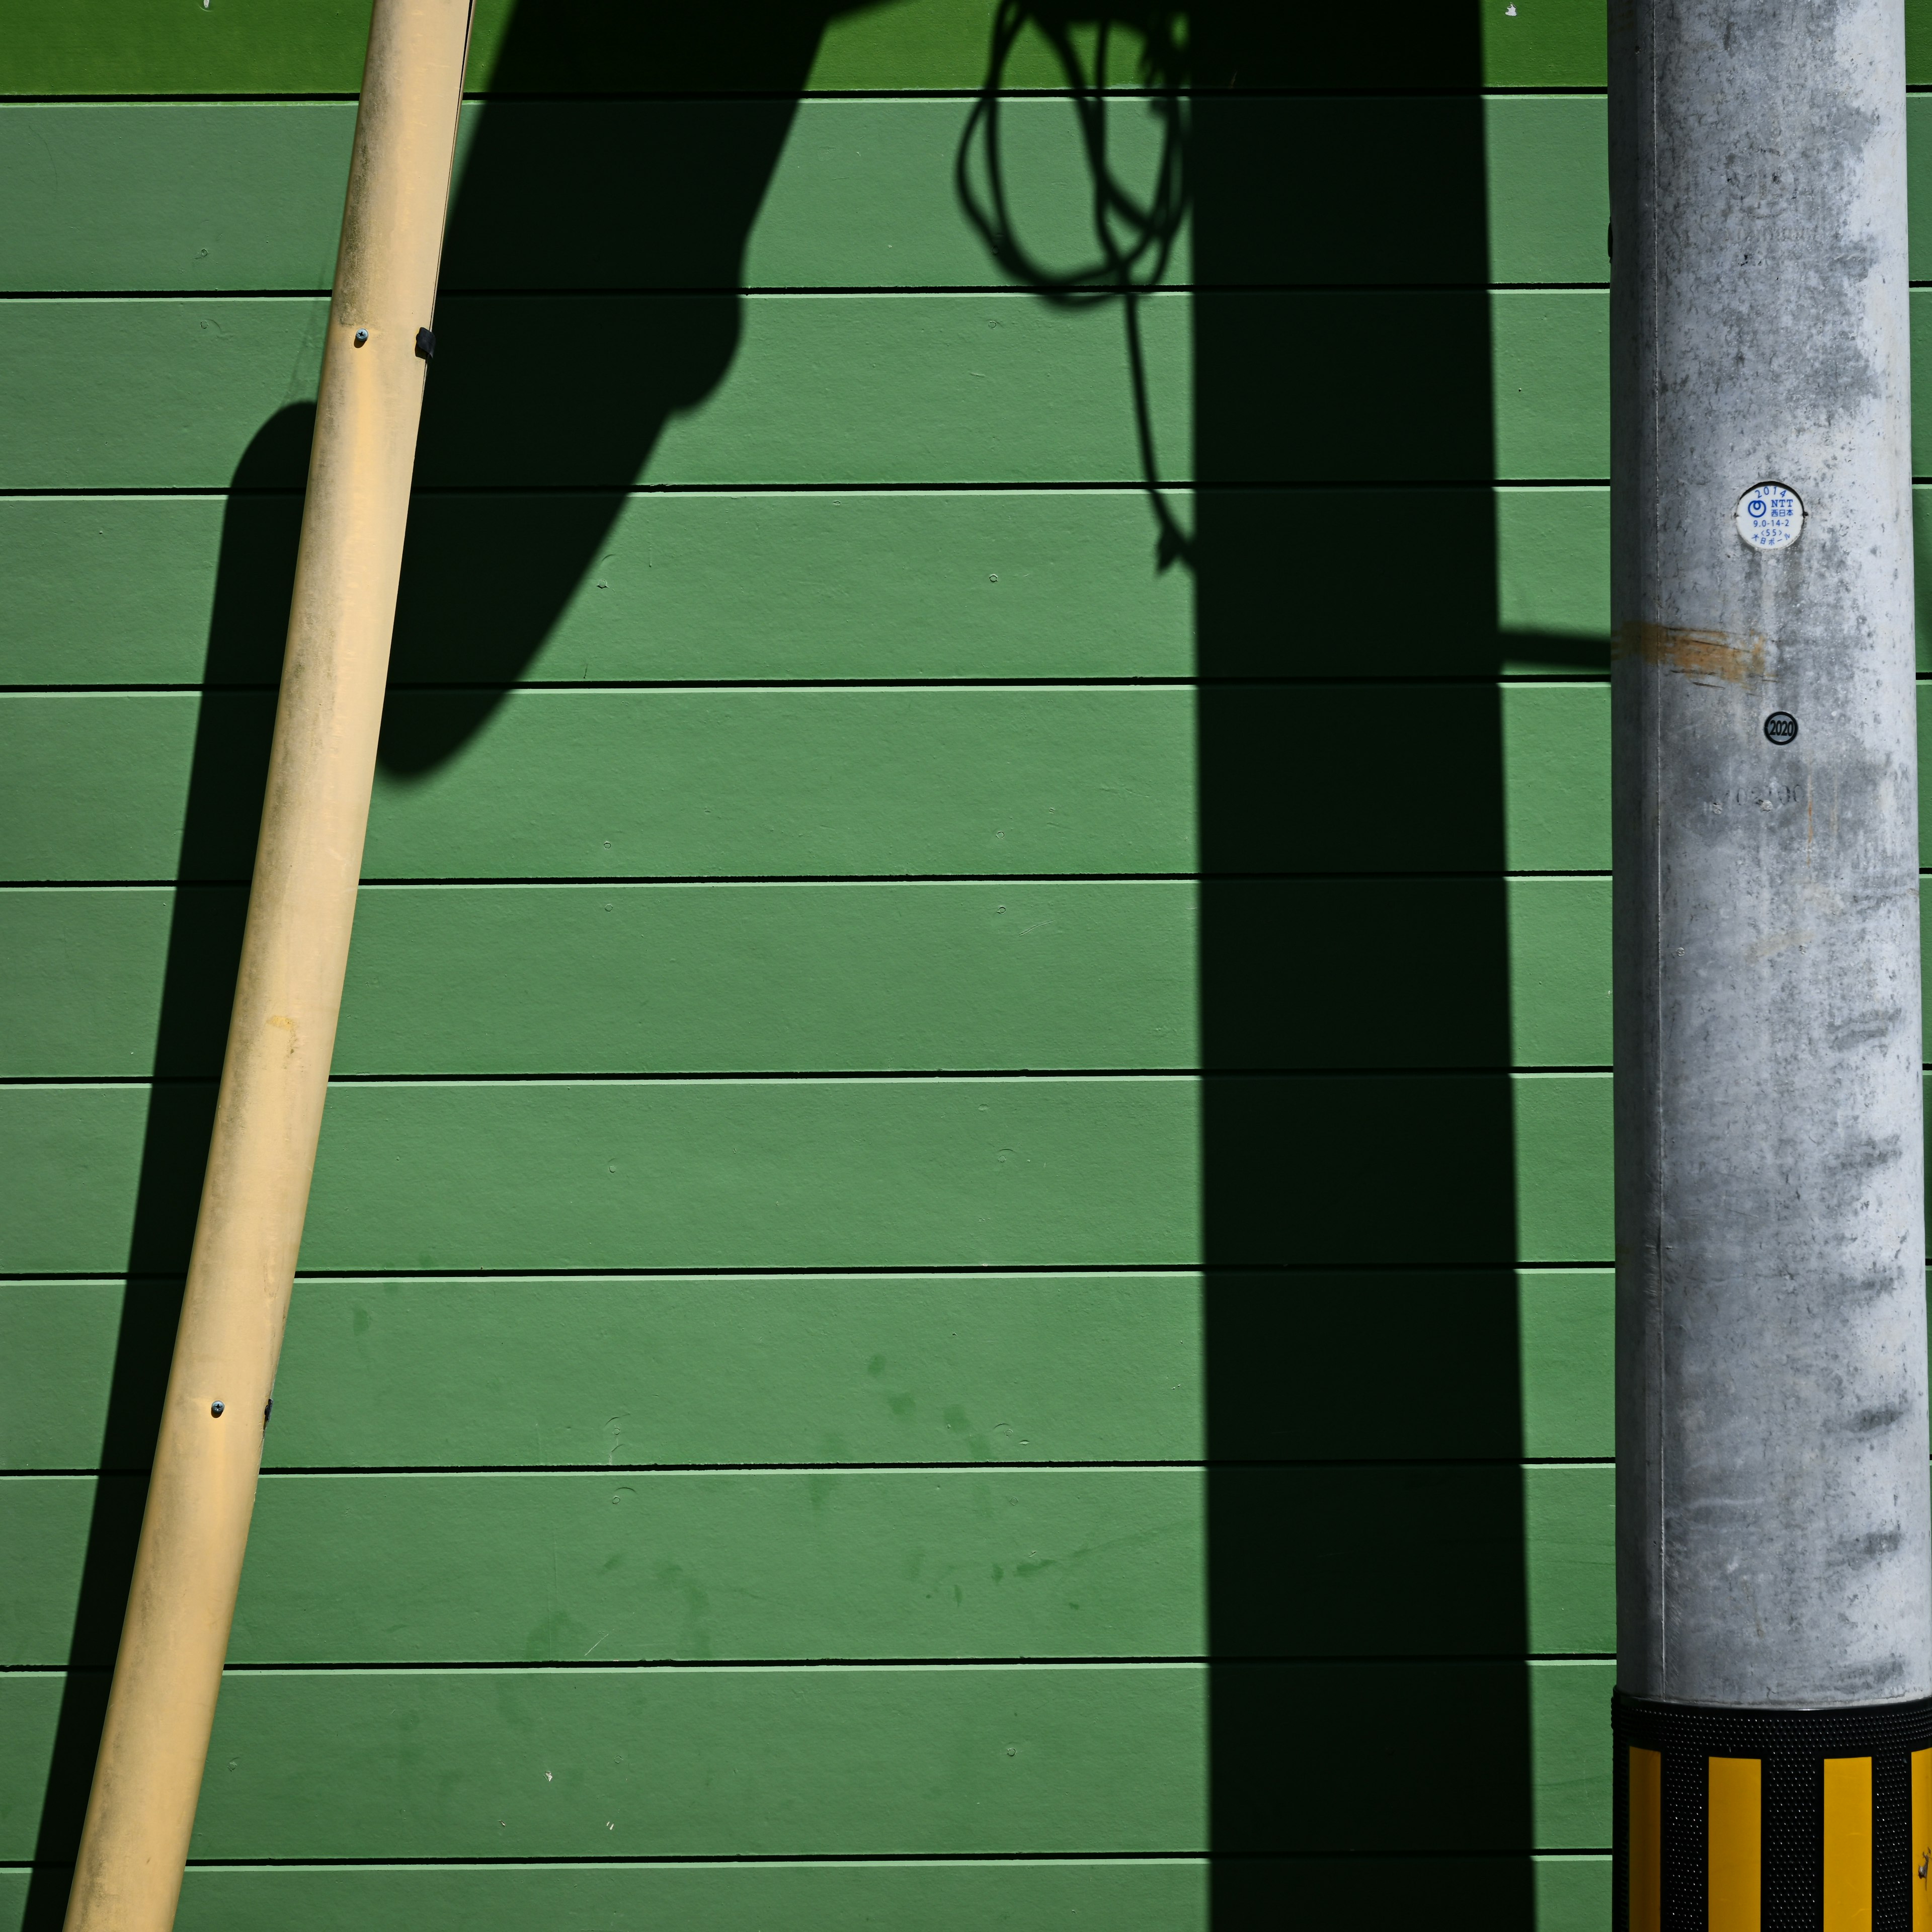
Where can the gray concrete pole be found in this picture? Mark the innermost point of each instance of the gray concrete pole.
(1774, 1537)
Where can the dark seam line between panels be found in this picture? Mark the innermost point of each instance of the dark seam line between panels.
(592, 879)
(710, 292)
(484, 96)
(826, 1076)
(652, 291)
(594, 686)
(934, 1075)
(721, 1861)
(436, 1667)
(1016, 487)
(1074, 1464)
(872, 1271)
(1312, 681)
(1120, 486)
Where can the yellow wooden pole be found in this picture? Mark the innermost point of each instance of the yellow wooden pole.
(168, 1674)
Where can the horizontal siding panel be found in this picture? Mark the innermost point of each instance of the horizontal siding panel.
(1551, 1893)
(639, 1565)
(824, 1371)
(1067, 780)
(780, 389)
(722, 587)
(247, 195)
(1546, 170)
(756, 1763)
(631, 979)
(1417, 779)
(814, 1895)
(837, 1759)
(1921, 345)
(856, 1173)
(713, 1173)
(110, 981)
(1516, 386)
(1551, 609)
(1918, 138)
(1302, 1169)
(697, 784)
(599, 586)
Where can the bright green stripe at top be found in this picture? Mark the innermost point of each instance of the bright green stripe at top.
(599, 46)
(316, 46)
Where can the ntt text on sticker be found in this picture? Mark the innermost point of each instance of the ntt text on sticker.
(1770, 517)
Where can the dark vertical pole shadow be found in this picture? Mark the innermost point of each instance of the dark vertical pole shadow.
(1370, 1752)
(223, 812)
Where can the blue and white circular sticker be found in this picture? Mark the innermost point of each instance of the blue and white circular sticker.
(1770, 517)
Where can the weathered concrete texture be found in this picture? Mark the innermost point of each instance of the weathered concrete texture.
(1772, 1503)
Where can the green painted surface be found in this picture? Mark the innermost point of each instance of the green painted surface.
(765, 978)
(702, 1565)
(817, 1895)
(786, 585)
(630, 979)
(1074, 779)
(771, 1762)
(1545, 43)
(244, 195)
(849, 782)
(907, 1173)
(1569, 1705)
(851, 1760)
(108, 46)
(830, 1370)
(885, 1173)
(1556, 1893)
(1571, 1895)
(1552, 584)
(1921, 418)
(1566, 1343)
(109, 392)
(1546, 172)
(105, 46)
(263, 46)
(931, 584)
(875, 487)
(632, 1565)
(1559, 982)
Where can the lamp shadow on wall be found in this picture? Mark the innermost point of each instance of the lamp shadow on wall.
(533, 385)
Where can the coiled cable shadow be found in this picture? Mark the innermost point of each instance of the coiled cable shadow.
(1135, 235)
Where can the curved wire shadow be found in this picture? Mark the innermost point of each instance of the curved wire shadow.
(1134, 234)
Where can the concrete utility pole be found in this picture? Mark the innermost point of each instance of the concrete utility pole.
(1774, 1711)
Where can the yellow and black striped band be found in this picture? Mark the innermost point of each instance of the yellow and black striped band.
(1731, 1820)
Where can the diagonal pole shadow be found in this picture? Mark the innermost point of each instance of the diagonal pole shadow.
(486, 574)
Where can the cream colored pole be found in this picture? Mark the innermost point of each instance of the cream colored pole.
(147, 1779)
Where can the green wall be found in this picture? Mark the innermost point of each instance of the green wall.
(960, 1252)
